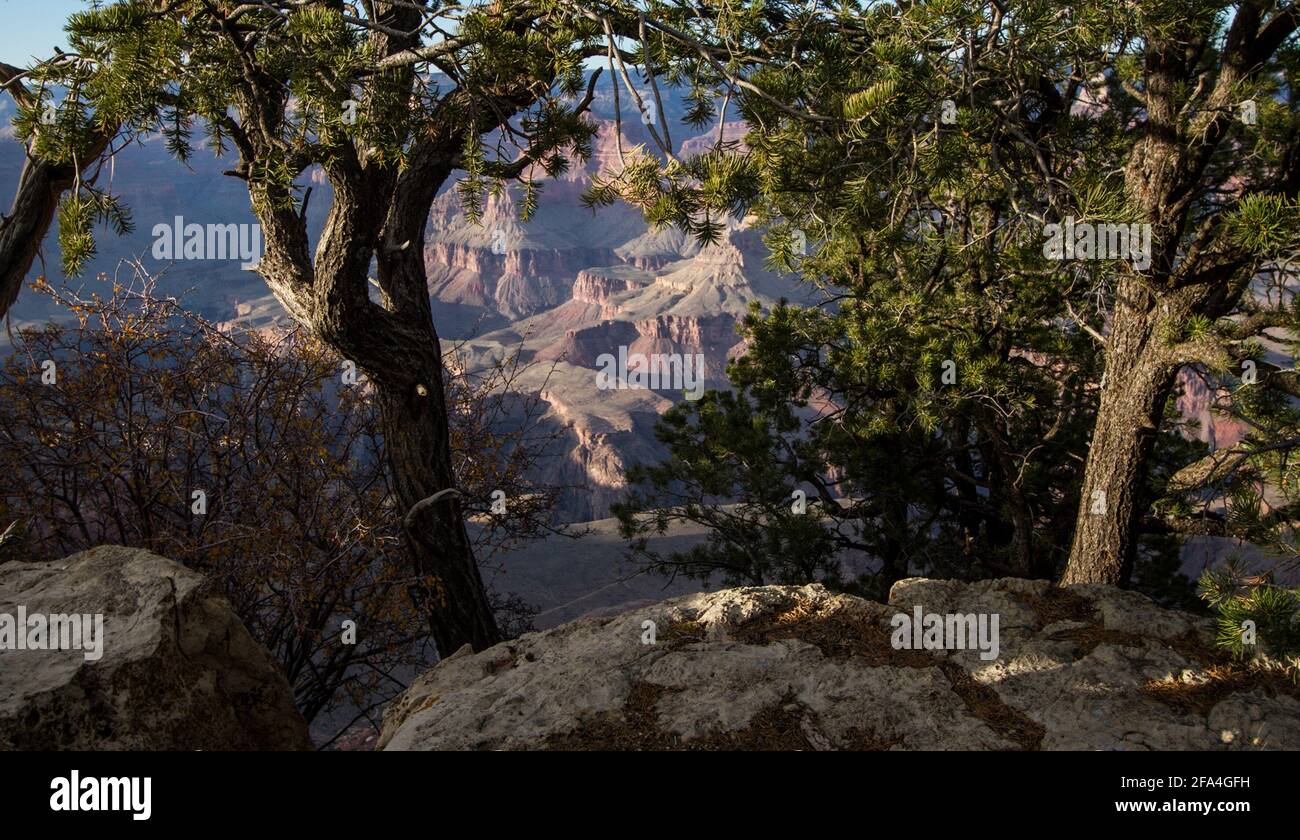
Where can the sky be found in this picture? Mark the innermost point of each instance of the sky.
(32, 28)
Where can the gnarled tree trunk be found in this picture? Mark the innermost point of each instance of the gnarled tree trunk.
(378, 216)
(413, 411)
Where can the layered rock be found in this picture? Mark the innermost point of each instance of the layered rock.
(782, 667)
(599, 285)
(570, 285)
(177, 671)
(657, 248)
(604, 433)
(582, 347)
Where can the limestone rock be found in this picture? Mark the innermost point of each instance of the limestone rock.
(783, 667)
(178, 670)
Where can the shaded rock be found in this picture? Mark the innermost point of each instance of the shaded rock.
(783, 667)
(178, 671)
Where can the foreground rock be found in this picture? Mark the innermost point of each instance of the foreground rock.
(1087, 668)
(178, 669)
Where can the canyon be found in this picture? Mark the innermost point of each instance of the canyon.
(560, 290)
(557, 291)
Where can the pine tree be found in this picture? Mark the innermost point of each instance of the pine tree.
(934, 409)
(1255, 618)
(933, 157)
(59, 149)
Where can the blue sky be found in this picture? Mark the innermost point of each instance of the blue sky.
(33, 27)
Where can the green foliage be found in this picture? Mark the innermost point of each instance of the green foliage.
(1254, 617)
(945, 393)
(294, 85)
(79, 211)
(1265, 223)
(724, 449)
(941, 397)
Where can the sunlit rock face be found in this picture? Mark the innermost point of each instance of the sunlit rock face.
(783, 667)
(571, 286)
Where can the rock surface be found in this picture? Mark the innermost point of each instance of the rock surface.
(178, 672)
(775, 667)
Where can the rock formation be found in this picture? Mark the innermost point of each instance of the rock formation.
(783, 667)
(178, 669)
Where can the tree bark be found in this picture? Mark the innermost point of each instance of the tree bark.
(417, 446)
(23, 230)
(1136, 385)
(397, 347)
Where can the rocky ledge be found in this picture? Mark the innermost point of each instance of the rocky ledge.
(173, 667)
(784, 667)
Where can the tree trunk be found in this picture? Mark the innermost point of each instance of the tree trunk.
(1188, 274)
(22, 231)
(406, 368)
(417, 447)
(1136, 384)
(396, 346)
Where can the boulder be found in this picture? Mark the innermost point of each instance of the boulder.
(785, 667)
(177, 669)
